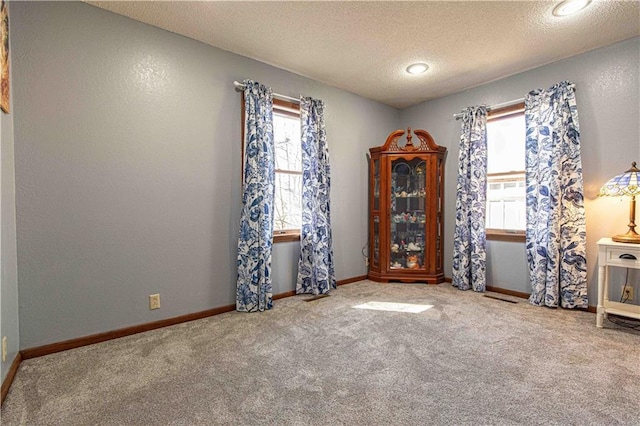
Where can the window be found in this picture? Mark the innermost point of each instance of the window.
(506, 191)
(288, 155)
(288, 164)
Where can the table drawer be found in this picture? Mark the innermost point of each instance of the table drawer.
(615, 256)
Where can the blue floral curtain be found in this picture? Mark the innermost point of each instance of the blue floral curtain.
(315, 268)
(556, 234)
(469, 241)
(253, 287)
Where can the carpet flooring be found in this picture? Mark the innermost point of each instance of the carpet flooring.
(467, 360)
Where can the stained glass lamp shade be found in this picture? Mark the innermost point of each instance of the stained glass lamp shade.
(628, 183)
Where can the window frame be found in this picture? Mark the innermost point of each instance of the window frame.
(509, 235)
(290, 109)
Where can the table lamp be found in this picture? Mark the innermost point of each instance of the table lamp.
(628, 183)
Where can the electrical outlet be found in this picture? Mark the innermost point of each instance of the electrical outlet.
(627, 293)
(154, 301)
(4, 348)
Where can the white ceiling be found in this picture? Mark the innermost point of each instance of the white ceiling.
(364, 47)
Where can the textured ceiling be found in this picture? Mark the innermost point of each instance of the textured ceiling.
(364, 47)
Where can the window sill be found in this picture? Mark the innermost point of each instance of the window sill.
(506, 235)
(286, 236)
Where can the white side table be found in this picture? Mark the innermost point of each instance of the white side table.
(621, 255)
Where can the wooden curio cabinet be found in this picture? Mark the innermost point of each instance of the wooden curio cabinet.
(406, 190)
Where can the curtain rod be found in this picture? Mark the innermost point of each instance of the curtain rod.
(240, 86)
(502, 105)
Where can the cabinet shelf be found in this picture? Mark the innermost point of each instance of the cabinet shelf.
(610, 255)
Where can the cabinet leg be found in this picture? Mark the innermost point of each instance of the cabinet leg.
(602, 281)
(599, 316)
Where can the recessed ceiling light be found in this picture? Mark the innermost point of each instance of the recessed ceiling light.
(417, 68)
(569, 7)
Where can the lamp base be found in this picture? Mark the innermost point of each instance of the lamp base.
(630, 237)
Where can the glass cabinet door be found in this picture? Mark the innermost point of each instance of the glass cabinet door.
(375, 249)
(376, 241)
(376, 185)
(407, 218)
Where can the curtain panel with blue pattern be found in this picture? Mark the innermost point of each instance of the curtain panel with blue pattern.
(253, 286)
(316, 273)
(469, 241)
(556, 233)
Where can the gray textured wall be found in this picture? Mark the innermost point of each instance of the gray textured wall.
(128, 170)
(607, 91)
(9, 274)
(128, 166)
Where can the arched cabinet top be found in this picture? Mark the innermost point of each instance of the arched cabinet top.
(425, 143)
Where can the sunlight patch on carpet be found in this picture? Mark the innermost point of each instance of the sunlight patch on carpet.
(394, 307)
